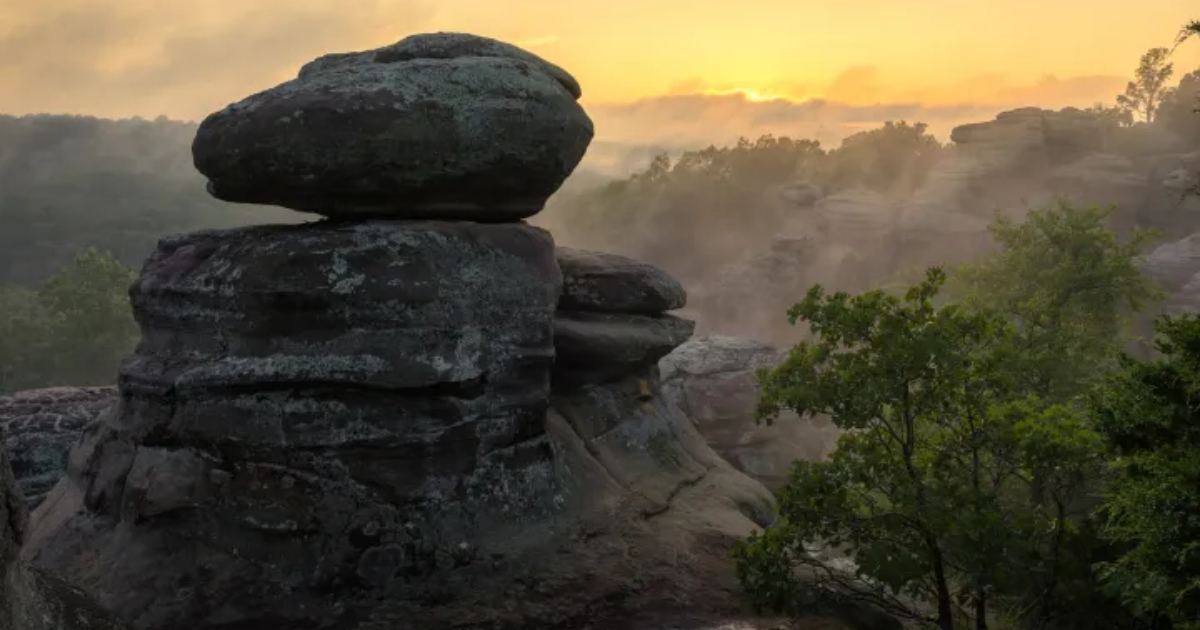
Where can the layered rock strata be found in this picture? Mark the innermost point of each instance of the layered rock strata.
(386, 421)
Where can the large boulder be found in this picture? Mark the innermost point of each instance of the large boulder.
(713, 380)
(435, 126)
(40, 426)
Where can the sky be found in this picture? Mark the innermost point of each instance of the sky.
(658, 71)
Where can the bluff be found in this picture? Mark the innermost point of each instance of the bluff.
(413, 413)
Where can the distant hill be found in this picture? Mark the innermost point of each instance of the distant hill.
(68, 182)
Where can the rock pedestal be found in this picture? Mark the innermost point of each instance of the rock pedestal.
(385, 421)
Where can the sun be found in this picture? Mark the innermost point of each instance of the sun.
(750, 94)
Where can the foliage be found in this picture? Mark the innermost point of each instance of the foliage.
(1189, 30)
(1178, 112)
(1143, 94)
(1111, 117)
(695, 213)
(73, 330)
(1148, 413)
(927, 493)
(1071, 286)
(892, 160)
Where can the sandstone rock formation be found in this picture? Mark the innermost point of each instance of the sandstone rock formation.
(436, 126)
(612, 317)
(712, 379)
(39, 428)
(30, 599)
(382, 423)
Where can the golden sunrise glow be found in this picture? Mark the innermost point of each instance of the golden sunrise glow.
(798, 66)
(751, 95)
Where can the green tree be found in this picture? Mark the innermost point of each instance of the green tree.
(1148, 412)
(73, 330)
(892, 160)
(1143, 94)
(1071, 285)
(927, 492)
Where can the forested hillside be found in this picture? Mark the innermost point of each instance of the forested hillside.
(70, 182)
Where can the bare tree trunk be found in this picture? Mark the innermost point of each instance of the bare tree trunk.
(980, 610)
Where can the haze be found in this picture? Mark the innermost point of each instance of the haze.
(668, 71)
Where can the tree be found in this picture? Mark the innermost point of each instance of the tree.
(73, 330)
(1148, 412)
(1111, 117)
(1143, 94)
(892, 160)
(926, 492)
(1189, 30)
(1071, 285)
(1179, 111)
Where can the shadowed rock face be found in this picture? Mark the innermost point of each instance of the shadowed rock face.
(352, 426)
(30, 599)
(437, 126)
(313, 411)
(39, 428)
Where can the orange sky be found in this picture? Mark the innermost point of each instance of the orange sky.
(641, 62)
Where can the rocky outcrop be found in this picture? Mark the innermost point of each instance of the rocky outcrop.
(1030, 137)
(612, 317)
(437, 126)
(607, 283)
(40, 426)
(381, 423)
(29, 598)
(713, 380)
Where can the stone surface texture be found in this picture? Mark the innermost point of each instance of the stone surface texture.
(435, 126)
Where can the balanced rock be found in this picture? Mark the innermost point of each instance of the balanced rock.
(435, 126)
(607, 283)
(39, 428)
(352, 425)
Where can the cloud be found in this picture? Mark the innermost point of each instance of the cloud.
(694, 113)
(124, 57)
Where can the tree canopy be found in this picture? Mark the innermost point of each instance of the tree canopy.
(963, 492)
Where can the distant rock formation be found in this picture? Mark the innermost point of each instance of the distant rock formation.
(855, 240)
(40, 426)
(386, 421)
(713, 379)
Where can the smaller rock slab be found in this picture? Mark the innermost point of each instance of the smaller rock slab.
(593, 347)
(608, 283)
